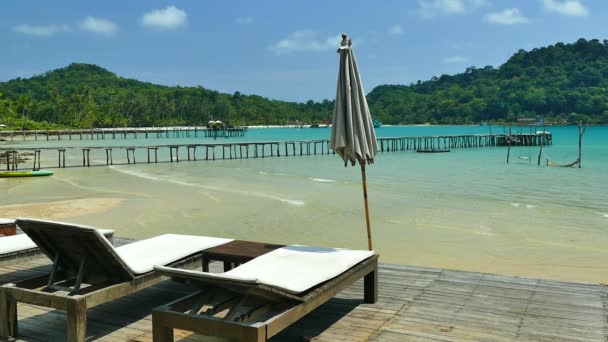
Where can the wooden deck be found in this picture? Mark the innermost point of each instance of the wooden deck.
(415, 304)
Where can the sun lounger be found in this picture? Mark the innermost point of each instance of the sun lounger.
(19, 248)
(88, 271)
(259, 298)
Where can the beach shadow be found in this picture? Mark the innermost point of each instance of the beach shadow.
(304, 330)
(21, 274)
(105, 319)
(316, 322)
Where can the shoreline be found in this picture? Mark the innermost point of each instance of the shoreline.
(4, 132)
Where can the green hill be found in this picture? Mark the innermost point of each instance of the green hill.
(85, 95)
(553, 82)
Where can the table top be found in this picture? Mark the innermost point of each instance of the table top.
(4, 221)
(239, 250)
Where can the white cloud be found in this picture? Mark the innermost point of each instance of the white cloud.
(433, 8)
(509, 16)
(98, 25)
(41, 30)
(396, 29)
(455, 60)
(572, 8)
(305, 41)
(244, 20)
(169, 18)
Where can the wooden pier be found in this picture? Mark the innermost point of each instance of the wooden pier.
(415, 304)
(125, 133)
(129, 154)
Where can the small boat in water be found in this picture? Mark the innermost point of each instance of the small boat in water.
(28, 173)
(434, 150)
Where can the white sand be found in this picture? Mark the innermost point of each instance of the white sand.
(61, 209)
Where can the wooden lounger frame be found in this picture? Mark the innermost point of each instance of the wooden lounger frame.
(86, 272)
(245, 314)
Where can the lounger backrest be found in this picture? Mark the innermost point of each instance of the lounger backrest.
(74, 243)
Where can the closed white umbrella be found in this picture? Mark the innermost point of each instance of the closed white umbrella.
(352, 132)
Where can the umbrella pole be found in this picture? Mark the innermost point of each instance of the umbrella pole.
(364, 181)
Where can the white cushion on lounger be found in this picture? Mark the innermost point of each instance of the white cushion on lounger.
(102, 231)
(15, 243)
(293, 269)
(296, 269)
(141, 256)
(195, 274)
(21, 242)
(6, 221)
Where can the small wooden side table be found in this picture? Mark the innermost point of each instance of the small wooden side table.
(8, 227)
(235, 253)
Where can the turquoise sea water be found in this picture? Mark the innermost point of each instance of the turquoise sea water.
(466, 209)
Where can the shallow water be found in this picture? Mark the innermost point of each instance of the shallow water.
(465, 210)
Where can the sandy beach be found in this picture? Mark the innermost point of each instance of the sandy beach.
(60, 210)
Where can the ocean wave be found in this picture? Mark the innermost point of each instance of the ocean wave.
(135, 173)
(322, 180)
(530, 206)
(292, 202)
(516, 205)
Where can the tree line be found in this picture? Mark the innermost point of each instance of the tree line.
(553, 82)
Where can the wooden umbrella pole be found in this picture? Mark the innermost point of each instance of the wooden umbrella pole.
(364, 181)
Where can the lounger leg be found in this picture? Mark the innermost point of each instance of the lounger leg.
(77, 319)
(370, 287)
(160, 333)
(205, 264)
(8, 314)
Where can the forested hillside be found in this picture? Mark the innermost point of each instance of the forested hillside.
(552, 82)
(85, 95)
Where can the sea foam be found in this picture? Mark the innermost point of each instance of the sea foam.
(322, 180)
(292, 202)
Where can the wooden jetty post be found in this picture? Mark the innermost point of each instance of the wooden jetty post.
(171, 149)
(155, 149)
(109, 160)
(193, 148)
(61, 157)
(36, 160)
(132, 152)
(86, 161)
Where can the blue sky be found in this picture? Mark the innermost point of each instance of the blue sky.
(283, 49)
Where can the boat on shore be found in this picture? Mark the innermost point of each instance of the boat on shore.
(26, 173)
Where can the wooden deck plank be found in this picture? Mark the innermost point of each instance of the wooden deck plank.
(415, 304)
